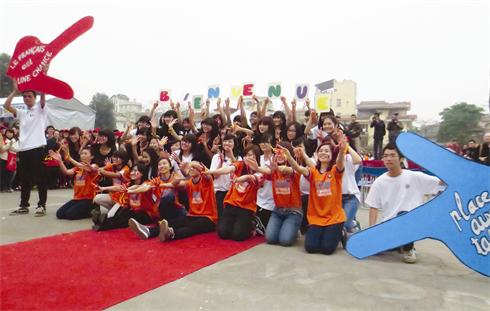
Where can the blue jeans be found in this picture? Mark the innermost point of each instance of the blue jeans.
(350, 204)
(75, 209)
(167, 209)
(323, 239)
(283, 226)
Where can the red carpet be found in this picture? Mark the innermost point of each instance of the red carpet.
(89, 270)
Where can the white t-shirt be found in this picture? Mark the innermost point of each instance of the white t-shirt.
(304, 184)
(349, 185)
(392, 195)
(265, 197)
(32, 127)
(222, 182)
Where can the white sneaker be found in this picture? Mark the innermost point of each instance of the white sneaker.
(40, 211)
(142, 231)
(411, 256)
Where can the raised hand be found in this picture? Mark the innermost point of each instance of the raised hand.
(155, 105)
(172, 105)
(218, 103)
(459, 217)
(251, 163)
(129, 123)
(35, 78)
(154, 123)
(55, 155)
(163, 141)
(177, 106)
(107, 161)
(227, 102)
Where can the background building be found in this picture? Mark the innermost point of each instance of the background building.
(124, 108)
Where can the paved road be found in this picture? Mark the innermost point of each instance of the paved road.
(277, 278)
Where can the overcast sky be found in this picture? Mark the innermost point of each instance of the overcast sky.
(431, 53)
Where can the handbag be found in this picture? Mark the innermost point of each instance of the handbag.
(12, 161)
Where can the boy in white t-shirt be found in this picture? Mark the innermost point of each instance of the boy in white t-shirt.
(32, 122)
(399, 191)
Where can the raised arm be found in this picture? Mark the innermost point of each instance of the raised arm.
(8, 103)
(222, 113)
(259, 110)
(155, 105)
(129, 124)
(293, 109)
(56, 156)
(298, 168)
(264, 107)
(227, 106)
(241, 129)
(356, 159)
(289, 113)
(309, 124)
(243, 114)
(341, 156)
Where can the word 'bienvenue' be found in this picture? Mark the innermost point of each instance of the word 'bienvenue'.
(478, 223)
(28, 62)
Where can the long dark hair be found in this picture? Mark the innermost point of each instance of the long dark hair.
(154, 161)
(190, 138)
(284, 128)
(298, 128)
(71, 146)
(123, 155)
(235, 144)
(111, 141)
(214, 129)
(142, 169)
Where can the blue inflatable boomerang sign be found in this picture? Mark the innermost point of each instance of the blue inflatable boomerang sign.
(459, 217)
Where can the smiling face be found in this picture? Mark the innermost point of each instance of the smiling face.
(9, 135)
(253, 119)
(187, 125)
(145, 157)
(135, 173)
(154, 144)
(75, 137)
(329, 126)
(206, 128)
(102, 139)
(277, 121)
(250, 155)
(228, 144)
(185, 145)
(86, 156)
(163, 166)
(167, 119)
(324, 154)
(175, 146)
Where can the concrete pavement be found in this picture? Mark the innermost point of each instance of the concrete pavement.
(270, 277)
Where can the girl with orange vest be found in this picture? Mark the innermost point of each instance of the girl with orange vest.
(202, 217)
(325, 214)
(240, 204)
(86, 178)
(140, 206)
(287, 214)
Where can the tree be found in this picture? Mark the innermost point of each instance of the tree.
(459, 121)
(6, 83)
(104, 111)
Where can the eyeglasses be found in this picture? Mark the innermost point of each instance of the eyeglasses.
(185, 143)
(291, 131)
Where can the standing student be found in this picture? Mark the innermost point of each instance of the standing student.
(325, 214)
(86, 177)
(9, 146)
(31, 152)
(202, 217)
(399, 191)
(241, 200)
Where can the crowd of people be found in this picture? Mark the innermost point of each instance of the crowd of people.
(166, 178)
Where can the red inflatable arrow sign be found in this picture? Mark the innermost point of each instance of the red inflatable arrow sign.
(31, 55)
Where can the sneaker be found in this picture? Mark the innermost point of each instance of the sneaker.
(258, 226)
(164, 231)
(142, 231)
(20, 211)
(40, 211)
(411, 256)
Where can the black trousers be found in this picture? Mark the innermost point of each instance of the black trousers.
(187, 226)
(32, 172)
(235, 223)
